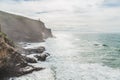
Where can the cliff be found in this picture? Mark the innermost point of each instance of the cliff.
(12, 63)
(22, 29)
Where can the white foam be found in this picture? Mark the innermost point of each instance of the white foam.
(45, 74)
(74, 71)
(32, 45)
(69, 64)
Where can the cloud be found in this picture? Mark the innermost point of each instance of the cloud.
(92, 15)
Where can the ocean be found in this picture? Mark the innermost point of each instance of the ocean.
(79, 56)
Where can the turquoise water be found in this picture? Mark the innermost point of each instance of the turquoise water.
(80, 56)
(101, 48)
(92, 47)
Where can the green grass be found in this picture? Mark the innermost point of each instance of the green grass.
(3, 34)
(7, 40)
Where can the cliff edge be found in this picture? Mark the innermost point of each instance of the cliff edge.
(23, 29)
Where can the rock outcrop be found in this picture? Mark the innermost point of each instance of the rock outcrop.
(42, 57)
(22, 29)
(39, 53)
(12, 63)
(39, 50)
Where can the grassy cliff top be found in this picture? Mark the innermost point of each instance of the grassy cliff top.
(7, 40)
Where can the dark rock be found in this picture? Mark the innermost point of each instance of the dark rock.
(26, 70)
(42, 57)
(38, 50)
(30, 60)
(96, 44)
(105, 45)
(18, 70)
(16, 65)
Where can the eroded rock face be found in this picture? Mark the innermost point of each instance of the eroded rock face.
(12, 63)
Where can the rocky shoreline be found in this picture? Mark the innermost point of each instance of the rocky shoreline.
(14, 61)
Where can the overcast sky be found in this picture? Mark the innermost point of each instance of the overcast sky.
(85, 15)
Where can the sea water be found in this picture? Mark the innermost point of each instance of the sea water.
(79, 56)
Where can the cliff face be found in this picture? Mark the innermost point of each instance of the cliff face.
(12, 63)
(22, 29)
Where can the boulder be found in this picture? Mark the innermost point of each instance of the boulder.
(37, 50)
(30, 60)
(42, 57)
(105, 45)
